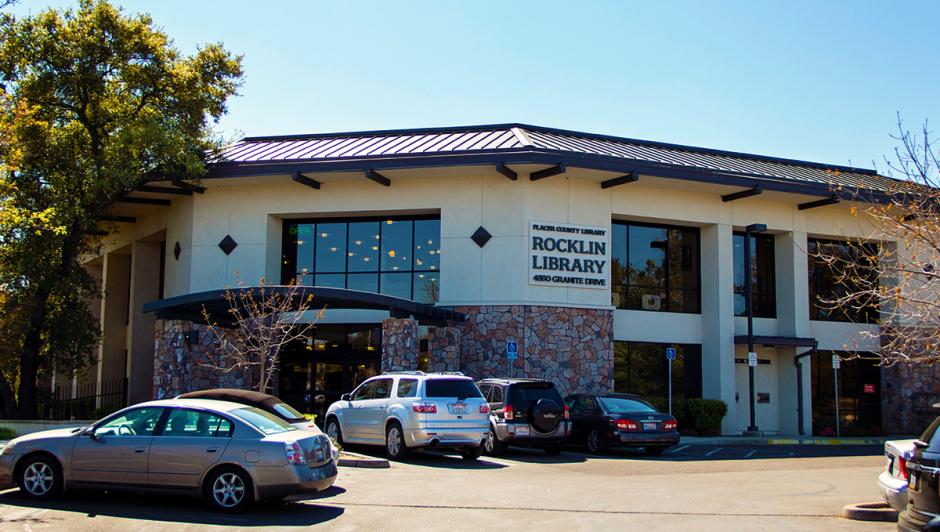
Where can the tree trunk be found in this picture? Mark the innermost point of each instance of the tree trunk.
(29, 358)
(7, 400)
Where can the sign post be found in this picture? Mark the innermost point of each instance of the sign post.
(836, 364)
(670, 356)
(512, 353)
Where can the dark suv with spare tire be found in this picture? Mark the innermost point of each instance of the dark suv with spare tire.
(524, 412)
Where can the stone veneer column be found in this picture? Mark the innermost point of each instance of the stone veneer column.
(572, 347)
(444, 347)
(180, 366)
(399, 344)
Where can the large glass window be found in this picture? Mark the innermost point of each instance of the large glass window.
(655, 267)
(398, 256)
(828, 281)
(764, 300)
(642, 368)
(859, 394)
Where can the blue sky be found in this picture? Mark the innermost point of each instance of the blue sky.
(811, 80)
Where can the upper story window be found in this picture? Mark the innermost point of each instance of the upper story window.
(398, 256)
(655, 267)
(763, 293)
(828, 281)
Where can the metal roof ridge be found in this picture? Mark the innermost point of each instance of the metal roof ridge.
(522, 136)
(380, 132)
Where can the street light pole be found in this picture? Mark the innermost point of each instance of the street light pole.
(748, 302)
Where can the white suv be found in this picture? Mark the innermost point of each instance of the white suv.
(411, 410)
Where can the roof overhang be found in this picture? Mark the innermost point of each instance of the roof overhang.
(553, 159)
(190, 307)
(777, 341)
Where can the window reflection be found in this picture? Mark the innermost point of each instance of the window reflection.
(396, 256)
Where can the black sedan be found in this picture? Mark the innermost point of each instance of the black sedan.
(268, 403)
(619, 420)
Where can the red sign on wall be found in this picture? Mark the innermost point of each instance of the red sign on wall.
(869, 388)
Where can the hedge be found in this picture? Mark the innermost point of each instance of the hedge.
(696, 417)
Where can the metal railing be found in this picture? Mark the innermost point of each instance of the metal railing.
(89, 400)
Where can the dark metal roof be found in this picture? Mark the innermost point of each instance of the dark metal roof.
(520, 143)
(190, 306)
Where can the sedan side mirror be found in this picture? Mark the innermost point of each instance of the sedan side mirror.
(345, 397)
(90, 432)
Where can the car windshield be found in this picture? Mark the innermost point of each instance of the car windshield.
(460, 388)
(931, 436)
(622, 405)
(528, 393)
(287, 412)
(263, 421)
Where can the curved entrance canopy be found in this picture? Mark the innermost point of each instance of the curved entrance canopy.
(190, 306)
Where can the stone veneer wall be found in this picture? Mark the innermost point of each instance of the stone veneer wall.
(907, 393)
(399, 344)
(180, 367)
(444, 348)
(573, 347)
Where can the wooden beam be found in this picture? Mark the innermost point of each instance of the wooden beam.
(145, 201)
(831, 200)
(378, 178)
(632, 177)
(189, 186)
(743, 194)
(164, 190)
(548, 172)
(506, 171)
(304, 180)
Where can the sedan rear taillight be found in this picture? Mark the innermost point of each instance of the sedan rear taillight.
(670, 424)
(295, 455)
(902, 467)
(567, 414)
(626, 424)
(484, 408)
(424, 408)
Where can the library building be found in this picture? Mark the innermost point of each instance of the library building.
(511, 251)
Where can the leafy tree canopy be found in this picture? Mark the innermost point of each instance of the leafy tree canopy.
(93, 103)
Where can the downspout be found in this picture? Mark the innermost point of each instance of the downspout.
(799, 387)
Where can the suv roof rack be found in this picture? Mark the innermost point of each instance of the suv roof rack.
(404, 373)
(457, 373)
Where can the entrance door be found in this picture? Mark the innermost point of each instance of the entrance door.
(314, 375)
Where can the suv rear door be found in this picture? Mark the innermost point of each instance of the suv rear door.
(523, 395)
(374, 409)
(457, 401)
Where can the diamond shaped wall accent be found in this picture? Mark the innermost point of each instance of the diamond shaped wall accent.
(228, 245)
(177, 250)
(481, 236)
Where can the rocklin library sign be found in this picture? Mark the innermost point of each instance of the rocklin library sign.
(435, 249)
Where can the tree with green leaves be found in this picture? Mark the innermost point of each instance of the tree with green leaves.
(93, 103)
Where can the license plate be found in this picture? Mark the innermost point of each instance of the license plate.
(522, 430)
(457, 408)
(649, 426)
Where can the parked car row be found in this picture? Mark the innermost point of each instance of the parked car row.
(920, 466)
(231, 452)
(414, 410)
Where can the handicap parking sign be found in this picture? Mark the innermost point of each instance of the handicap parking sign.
(512, 350)
(670, 353)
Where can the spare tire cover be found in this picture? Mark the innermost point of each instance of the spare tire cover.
(546, 415)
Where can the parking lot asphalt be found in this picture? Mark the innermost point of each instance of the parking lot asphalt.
(697, 487)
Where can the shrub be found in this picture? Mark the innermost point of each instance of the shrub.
(6, 433)
(700, 417)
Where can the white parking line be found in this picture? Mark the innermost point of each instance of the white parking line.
(709, 453)
(750, 454)
(677, 449)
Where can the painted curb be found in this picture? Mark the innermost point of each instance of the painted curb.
(363, 461)
(870, 511)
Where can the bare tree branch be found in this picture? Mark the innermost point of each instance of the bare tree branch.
(263, 319)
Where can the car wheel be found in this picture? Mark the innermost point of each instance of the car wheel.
(553, 449)
(595, 443)
(395, 442)
(472, 453)
(229, 489)
(333, 430)
(654, 450)
(40, 477)
(491, 444)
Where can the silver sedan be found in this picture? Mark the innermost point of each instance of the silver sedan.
(229, 453)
